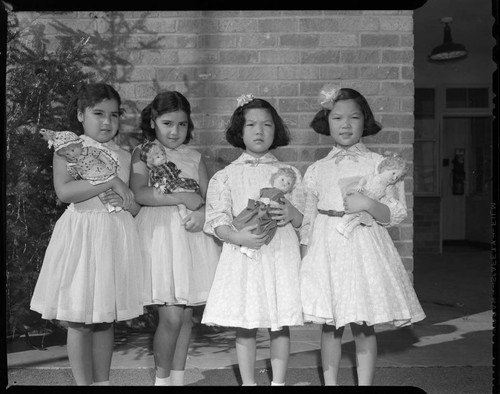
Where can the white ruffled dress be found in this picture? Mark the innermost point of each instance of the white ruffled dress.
(179, 265)
(92, 269)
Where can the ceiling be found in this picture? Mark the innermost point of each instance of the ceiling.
(472, 25)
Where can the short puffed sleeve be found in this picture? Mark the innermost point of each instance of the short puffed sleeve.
(218, 203)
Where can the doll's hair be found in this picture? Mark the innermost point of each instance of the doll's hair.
(148, 149)
(286, 171)
(164, 102)
(234, 132)
(394, 162)
(320, 121)
(88, 96)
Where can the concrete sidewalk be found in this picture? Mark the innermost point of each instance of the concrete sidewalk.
(449, 351)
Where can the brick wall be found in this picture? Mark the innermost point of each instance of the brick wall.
(283, 56)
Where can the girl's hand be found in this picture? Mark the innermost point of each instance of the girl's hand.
(112, 198)
(354, 202)
(194, 221)
(286, 213)
(246, 237)
(192, 201)
(123, 191)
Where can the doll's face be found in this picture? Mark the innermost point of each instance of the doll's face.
(156, 157)
(283, 183)
(392, 175)
(71, 152)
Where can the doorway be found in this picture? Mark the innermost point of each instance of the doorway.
(466, 179)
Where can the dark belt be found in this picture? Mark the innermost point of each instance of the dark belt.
(331, 212)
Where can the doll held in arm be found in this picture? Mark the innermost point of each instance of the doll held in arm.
(391, 170)
(259, 211)
(164, 174)
(90, 163)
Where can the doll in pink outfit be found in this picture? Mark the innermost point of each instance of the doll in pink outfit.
(95, 165)
(390, 170)
(257, 212)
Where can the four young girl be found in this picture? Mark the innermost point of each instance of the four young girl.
(101, 267)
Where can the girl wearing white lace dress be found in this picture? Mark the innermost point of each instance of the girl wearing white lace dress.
(261, 291)
(358, 280)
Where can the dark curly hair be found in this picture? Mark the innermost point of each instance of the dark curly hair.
(88, 96)
(167, 101)
(320, 121)
(234, 132)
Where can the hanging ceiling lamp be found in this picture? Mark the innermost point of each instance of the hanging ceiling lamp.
(448, 50)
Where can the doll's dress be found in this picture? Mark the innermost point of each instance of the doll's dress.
(92, 168)
(166, 177)
(261, 292)
(179, 265)
(360, 278)
(92, 270)
(257, 212)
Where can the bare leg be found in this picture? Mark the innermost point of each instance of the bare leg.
(366, 352)
(246, 351)
(331, 353)
(79, 345)
(171, 318)
(182, 348)
(280, 353)
(102, 351)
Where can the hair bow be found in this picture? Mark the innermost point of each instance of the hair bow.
(244, 99)
(328, 95)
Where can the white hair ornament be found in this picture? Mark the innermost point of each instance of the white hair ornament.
(244, 99)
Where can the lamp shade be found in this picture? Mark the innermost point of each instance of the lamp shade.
(448, 50)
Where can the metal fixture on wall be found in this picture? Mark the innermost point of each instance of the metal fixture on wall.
(448, 50)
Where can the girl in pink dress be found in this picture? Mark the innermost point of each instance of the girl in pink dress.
(358, 280)
(179, 258)
(92, 270)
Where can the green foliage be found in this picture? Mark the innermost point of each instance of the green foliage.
(39, 83)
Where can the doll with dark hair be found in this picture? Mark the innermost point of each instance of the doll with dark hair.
(256, 290)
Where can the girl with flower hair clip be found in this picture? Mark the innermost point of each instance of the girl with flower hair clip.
(263, 291)
(357, 280)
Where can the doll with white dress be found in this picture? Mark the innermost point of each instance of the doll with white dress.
(391, 170)
(95, 165)
(258, 211)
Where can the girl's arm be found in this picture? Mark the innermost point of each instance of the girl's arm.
(244, 237)
(195, 220)
(148, 195)
(69, 190)
(356, 202)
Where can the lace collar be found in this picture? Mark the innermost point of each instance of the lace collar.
(246, 158)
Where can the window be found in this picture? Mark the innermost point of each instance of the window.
(467, 98)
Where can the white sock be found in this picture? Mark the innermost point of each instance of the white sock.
(277, 384)
(105, 383)
(177, 377)
(248, 384)
(163, 381)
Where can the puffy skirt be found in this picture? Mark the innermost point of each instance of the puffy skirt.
(179, 265)
(356, 279)
(260, 292)
(92, 270)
